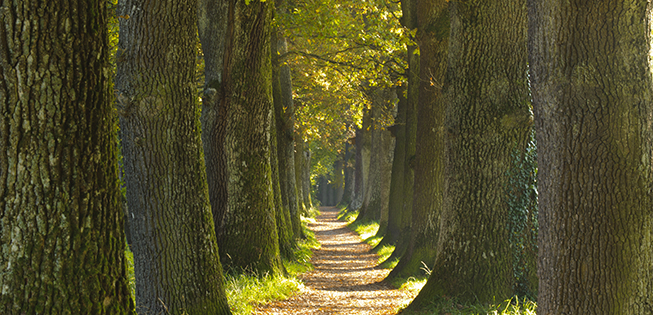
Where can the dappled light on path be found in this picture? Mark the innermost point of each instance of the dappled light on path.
(345, 279)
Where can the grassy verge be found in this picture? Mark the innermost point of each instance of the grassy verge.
(367, 231)
(245, 291)
(450, 306)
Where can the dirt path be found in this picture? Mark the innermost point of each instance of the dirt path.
(344, 280)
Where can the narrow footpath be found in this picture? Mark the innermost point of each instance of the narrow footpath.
(345, 280)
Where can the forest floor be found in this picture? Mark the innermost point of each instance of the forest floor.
(346, 279)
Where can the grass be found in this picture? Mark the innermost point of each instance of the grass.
(445, 305)
(367, 231)
(245, 291)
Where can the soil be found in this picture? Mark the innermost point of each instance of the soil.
(345, 279)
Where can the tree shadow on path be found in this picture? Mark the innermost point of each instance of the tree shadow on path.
(345, 280)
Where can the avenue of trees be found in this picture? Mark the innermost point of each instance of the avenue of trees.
(506, 145)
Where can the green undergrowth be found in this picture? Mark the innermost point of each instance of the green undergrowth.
(367, 231)
(450, 306)
(247, 290)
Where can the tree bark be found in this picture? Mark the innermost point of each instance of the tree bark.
(285, 118)
(364, 139)
(250, 238)
(408, 8)
(396, 193)
(488, 126)
(175, 254)
(433, 40)
(299, 171)
(61, 219)
(212, 29)
(592, 92)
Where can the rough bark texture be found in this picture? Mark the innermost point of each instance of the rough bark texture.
(282, 214)
(61, 220)
(488, 126)
(592, 91)
(408, 8)
(432, 37)
(212, 29)
(285, 119)
(396, 193)
(175, 251)
(250, 236)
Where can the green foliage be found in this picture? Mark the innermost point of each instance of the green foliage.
(338, 50)
(244, 291)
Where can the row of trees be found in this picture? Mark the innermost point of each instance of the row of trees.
(466, 89)
(222, 185)
(490, 83)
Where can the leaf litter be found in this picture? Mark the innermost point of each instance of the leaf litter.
(346, 279)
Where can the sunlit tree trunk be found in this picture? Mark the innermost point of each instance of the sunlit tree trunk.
(250, 235)
(488, 127)
(61, 219)
(593, 101)
(175, 254)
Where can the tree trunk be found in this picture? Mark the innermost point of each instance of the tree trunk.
(281, 211)
(396, 193)
(488, 125)
(409, 20)
(285, 118)
(432, 37)
(348, 173)
(357, 198)
(592, 91)
(212, 29)
(364, 139)
(175, 254)
(373, 204)
(306, 176)
(61, 219)
(299, 168)
(250, 237)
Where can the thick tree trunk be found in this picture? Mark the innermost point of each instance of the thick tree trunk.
(285, 119)
(250, 237)
(282, 214)
(61, 219)
(409, 20)
(432, 37)
(396, 193)
(175, 254)
(212, 29)
(592, 91)
(357, 197)
(488, 125)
